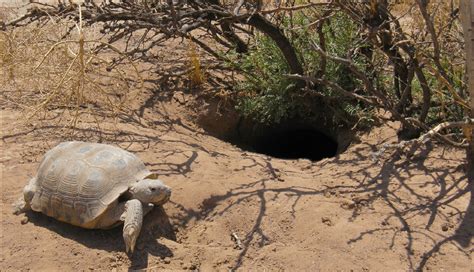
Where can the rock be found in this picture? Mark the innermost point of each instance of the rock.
(24, 220)
(167, 260)
(326, 220)
(179, 97)
(445, 227)
(348, 204)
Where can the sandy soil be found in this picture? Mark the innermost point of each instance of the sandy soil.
(356, 211)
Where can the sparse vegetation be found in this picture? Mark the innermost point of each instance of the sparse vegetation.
(336, 61)
(46, 72)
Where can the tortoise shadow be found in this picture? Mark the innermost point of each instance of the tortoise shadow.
(155, 224)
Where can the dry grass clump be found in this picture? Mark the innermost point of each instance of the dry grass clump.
(45, 73)
(196, 75)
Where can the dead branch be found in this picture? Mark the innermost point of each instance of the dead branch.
(236, 239)
(410, 147)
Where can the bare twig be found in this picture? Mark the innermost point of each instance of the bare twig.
(236, 239)
(410, 147)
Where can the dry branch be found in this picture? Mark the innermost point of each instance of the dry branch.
(410, 147)
(236, 239)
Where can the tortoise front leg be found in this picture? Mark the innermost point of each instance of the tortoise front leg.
(24, 203)
(133, 220)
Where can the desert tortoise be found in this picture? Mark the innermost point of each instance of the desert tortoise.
(94, 186)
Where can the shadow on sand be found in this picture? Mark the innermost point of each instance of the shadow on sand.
(156, 224)
(386, 180)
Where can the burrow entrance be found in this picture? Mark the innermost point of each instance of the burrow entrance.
(290, 139)
(297, 143)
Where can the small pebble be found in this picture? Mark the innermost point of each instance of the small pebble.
(348, 204)
(326, 220)
(24, 220)
(445, 227)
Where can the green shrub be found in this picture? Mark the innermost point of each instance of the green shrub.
(267, 95)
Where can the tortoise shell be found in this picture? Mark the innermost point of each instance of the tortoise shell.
(78, 181)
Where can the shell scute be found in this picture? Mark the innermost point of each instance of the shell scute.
(78, 181)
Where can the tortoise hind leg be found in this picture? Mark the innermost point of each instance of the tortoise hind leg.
(23, 204)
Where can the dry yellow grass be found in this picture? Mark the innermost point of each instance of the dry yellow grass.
(44, 72)
(196, 75)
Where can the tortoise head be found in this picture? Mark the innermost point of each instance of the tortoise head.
(151, 191)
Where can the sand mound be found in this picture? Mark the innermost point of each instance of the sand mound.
(235, 209)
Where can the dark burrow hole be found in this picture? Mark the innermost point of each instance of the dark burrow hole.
(297, 143)
(295, 138)
(292, 139)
